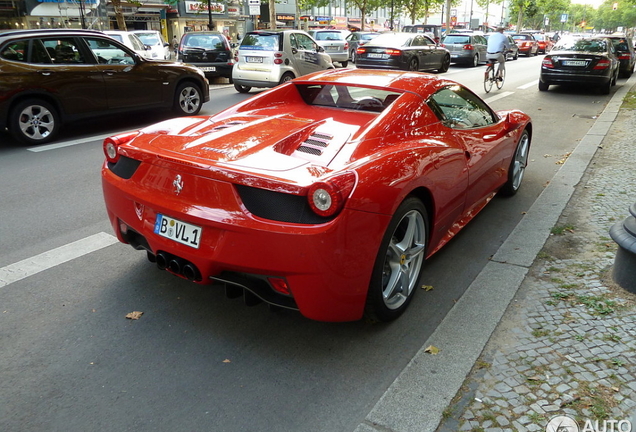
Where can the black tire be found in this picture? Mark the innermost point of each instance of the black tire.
(615, 79)
(287, 76)
(353, 56)
(475, 61)
(188, 99)
(446, 61)
(606, 88)
(517, 167)
(344, 63)
(414, 65)
(516, 56)
(242, 89)
(399, 262)
(543, 86)
(34, 121)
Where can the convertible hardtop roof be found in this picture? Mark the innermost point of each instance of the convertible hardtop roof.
(416, 82)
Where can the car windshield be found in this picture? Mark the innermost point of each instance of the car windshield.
(116, 37)
(582, 45)
(347, 96)
(148, 38)
(456, 39)
(327, 36)
(262, 42)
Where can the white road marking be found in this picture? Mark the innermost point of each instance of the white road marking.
(46, 260)
(42, 148)
(530, 84)
(497, 97)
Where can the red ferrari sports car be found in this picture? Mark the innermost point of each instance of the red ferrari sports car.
(323, 195)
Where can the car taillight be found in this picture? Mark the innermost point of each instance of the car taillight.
(468, 47)
(393, 52)
(602, 64)
(278, 58)
(360, 50)
(111, 145)
(327, 198)
(346, 47)
(547, 62)
(625, 56)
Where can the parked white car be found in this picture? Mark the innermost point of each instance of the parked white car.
(132, 41)
(334, 43)
(159, 48)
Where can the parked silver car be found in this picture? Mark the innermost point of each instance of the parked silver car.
(334, 43)
(267, 58)
(466, 48)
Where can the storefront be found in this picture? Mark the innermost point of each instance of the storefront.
(195, 16)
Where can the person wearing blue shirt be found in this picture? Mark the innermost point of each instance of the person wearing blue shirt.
(498, 46)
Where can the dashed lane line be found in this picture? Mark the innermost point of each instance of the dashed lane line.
(42, 148)
(497, 97)
(46, 260)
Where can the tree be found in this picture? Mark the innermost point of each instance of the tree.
(416, 9)
(366, 7)
(307, 5)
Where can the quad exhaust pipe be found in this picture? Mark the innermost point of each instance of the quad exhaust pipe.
(176, 265)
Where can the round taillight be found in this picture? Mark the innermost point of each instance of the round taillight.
(111, 145)
(327, 198)
(110, 148)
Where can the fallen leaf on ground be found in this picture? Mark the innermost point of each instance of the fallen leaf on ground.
(427, 287)
(535, 378)
(134, 315)
(431, 349)
(226, 361)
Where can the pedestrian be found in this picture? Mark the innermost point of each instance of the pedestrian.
(175, 46)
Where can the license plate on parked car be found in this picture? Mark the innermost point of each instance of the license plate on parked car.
(208, 69)
(178, 231)
(574, 62)
(254, 59)
(374, 55)
(332, 48)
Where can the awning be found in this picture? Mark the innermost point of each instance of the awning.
(59, 10)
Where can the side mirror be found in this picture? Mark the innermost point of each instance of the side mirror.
(294, 51)
(320, 49)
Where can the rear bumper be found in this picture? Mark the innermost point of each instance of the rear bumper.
(558, 77)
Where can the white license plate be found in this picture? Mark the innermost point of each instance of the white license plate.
(208, 69)
(332, 48)
(254, 59)
(374, 55)
(178, 231)
(574, 62)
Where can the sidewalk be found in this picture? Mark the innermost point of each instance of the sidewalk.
(552, 335)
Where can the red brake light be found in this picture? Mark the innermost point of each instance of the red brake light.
(468, 47)
(393, 52)
(327, 198)
(547, 62)
(346, 45)
(602, 64)
(111, 145)
(360, 50)
(625, 56)
(277, 58)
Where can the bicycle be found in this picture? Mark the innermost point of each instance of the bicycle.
(493, 76)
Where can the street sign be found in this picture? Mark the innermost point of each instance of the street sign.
(255, 7)
(564, 18)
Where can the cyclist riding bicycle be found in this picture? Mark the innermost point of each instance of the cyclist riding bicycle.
(498, 46)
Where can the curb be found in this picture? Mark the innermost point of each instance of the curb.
(417, 398)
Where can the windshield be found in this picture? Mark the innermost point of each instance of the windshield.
(327, 36)
(347, 96)
(582, 45)
(208, 42)
(453, 39)
(148, 38)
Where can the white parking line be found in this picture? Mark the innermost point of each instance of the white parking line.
(530, 84)
(44, 261)
(498, 96)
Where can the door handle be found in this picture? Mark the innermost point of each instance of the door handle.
(45, 72)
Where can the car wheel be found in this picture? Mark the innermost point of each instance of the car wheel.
(34, 121)
(399, 263)
(606, 88)
(445, 64)
(188, 99)
(353, 56)
(615, 78)
(475, 62)
(517, 166)
(543, 86)
(344, 64)
(414, 65)
(287, 76)
(242, 89)
(516, 56)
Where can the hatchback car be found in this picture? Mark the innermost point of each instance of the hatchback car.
(527, 44)
(582, 61)
(334, 43)
(210, 51)
(268, 58)
(357, 39)
(405, 51)
(132, 41)
(625, 52)
(51, 77)
(466, 48)
(159, 48)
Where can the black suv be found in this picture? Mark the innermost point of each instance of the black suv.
(51, 77)
(209, 51)
(625, 53)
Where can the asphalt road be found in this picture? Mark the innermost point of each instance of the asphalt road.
(71, 361)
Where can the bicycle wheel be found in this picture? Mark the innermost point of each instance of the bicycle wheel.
(500, 81)
(489, 77)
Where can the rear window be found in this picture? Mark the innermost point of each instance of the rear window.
(148, 38)
(261, 42)
(327, 36)
(347, 97)
(208, 42)
(523, 37)
(583, 45)
(456, 39)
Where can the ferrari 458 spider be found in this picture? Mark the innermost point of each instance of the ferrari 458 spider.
(325, 194)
